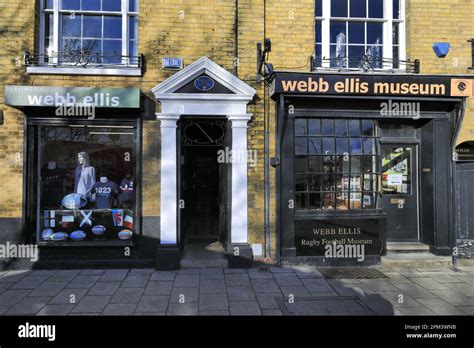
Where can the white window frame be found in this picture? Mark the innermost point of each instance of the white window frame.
(387, 21)
(52, 67)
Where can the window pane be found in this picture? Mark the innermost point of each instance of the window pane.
(112, 27)
(314, 182)
(69, 47)
(356, 146)
(396, 57)
(375, 53)
(369, 164)
(354, 128)
(93, 47)
(356, 164)
(342, 146)
(341, 129)
(338, 8)
(92, 26)
(319, 8)
(49, 28)
(369, 182)
(357, 8)
(300, 127)
(395, 33)
(328, 165)
(301, 146)
(133, 6)
(111, 5)
(328, 201)
(342, 202)
(314, 127)
(356, 32)
(338, 32)
(301, 183)
(396, 9)
(318, 59)
(71, 27)
(369, 146)
(314, 145)
(338, 51)
(301, 200)
(368, 128)
(376, 8)
(315, 201)
(368, 201)
(48, 4)
(315, 164)
(396, 170)
(318, 32)
(71, 4)
(355, 56)
(112, 51)
(328, 146)
(374, 33)
(133, 27)
(355, 200)
(300, 165)
(328, 127)
(91, 5)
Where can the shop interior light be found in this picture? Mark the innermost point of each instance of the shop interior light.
(441, 49)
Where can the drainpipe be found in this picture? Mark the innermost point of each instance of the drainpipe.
(454, 181)
(236, 39)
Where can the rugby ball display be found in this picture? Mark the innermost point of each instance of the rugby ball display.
(125, 234)
(46, 234)
(98, 230)
(77, 236)
(74, 201)
(59, 236)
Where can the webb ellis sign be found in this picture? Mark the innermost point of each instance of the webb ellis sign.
(371, 85)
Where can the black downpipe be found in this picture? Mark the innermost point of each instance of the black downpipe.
(236, 39)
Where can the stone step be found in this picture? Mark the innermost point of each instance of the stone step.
(403, 247)
(415, 259)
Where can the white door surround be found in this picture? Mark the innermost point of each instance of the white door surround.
(230, 105)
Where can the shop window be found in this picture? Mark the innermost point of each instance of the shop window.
(86, 187)
(350, 31)
(396, 170)
(336, 164)
(92, 32)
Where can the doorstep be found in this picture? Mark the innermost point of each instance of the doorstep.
(415, 259)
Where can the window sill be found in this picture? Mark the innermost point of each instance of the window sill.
(67, 70)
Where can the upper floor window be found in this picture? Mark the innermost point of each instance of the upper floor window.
(92, 32)
(348, 31)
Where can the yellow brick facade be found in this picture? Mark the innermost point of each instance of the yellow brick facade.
(194, 28)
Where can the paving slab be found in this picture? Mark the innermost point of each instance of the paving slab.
(5, 286)
(159, 288)
(65, 296)
(28, 306)
(12, 297)
(120, 309)
(440, 307)
(287, 279)
(379, 306)
(462, 288)
(326, 306)
(186, 280)
(255, 274)
(265, 285)
(430, 283)
(127, 295)
(83, 282)
(91, 304)
(29, 282)
(212, 286)
(453, 297)
(92, 272)
(213, 302)
(153, 303)
(272, 312)
(184, 295)
(237, 279)
(241, 293)
(114, 275)
(413, 290)
(104, 288)
(294, 291)
(415, 311)
(64, 275)
(212, 273)
(137, 281)
(214, 313)
(269, 300)
(164, 276)
(245, 308)
(48, 289)
(14, 276)
(316, 285)
(56, 309)
(189, 308)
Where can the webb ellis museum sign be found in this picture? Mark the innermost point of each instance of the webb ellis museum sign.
(371, 85)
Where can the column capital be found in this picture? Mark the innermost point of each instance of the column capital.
(167, 120)
(239, 121)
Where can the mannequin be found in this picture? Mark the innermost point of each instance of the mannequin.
(126, 188)
(84, 175)
(105, 191)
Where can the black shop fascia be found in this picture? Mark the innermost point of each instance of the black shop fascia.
(364, 160)
(82, 174)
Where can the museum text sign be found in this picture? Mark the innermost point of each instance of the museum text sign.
(46, 96)
(371, 85)
(339, 237)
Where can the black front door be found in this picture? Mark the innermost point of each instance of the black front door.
(400, 191)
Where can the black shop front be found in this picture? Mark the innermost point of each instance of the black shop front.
(364, 160)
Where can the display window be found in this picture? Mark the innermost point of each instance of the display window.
(86, 187)
(336, 164)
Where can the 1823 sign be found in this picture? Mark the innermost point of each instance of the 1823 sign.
(337, 237)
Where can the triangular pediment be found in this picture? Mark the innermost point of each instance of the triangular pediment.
(203, 77)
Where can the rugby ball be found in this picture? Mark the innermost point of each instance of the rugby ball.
(125, 234)
(98, 230)
(77, 235)
(47, 233)
(59, 236)
(74, 201)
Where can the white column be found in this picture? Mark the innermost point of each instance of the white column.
(169, 172)
(239, 218)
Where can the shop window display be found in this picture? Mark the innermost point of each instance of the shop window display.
(336, 164)
(86, 190)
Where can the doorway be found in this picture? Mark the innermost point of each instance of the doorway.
(203, 222)
(400, 191)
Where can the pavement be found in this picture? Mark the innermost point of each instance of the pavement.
(301, 290)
